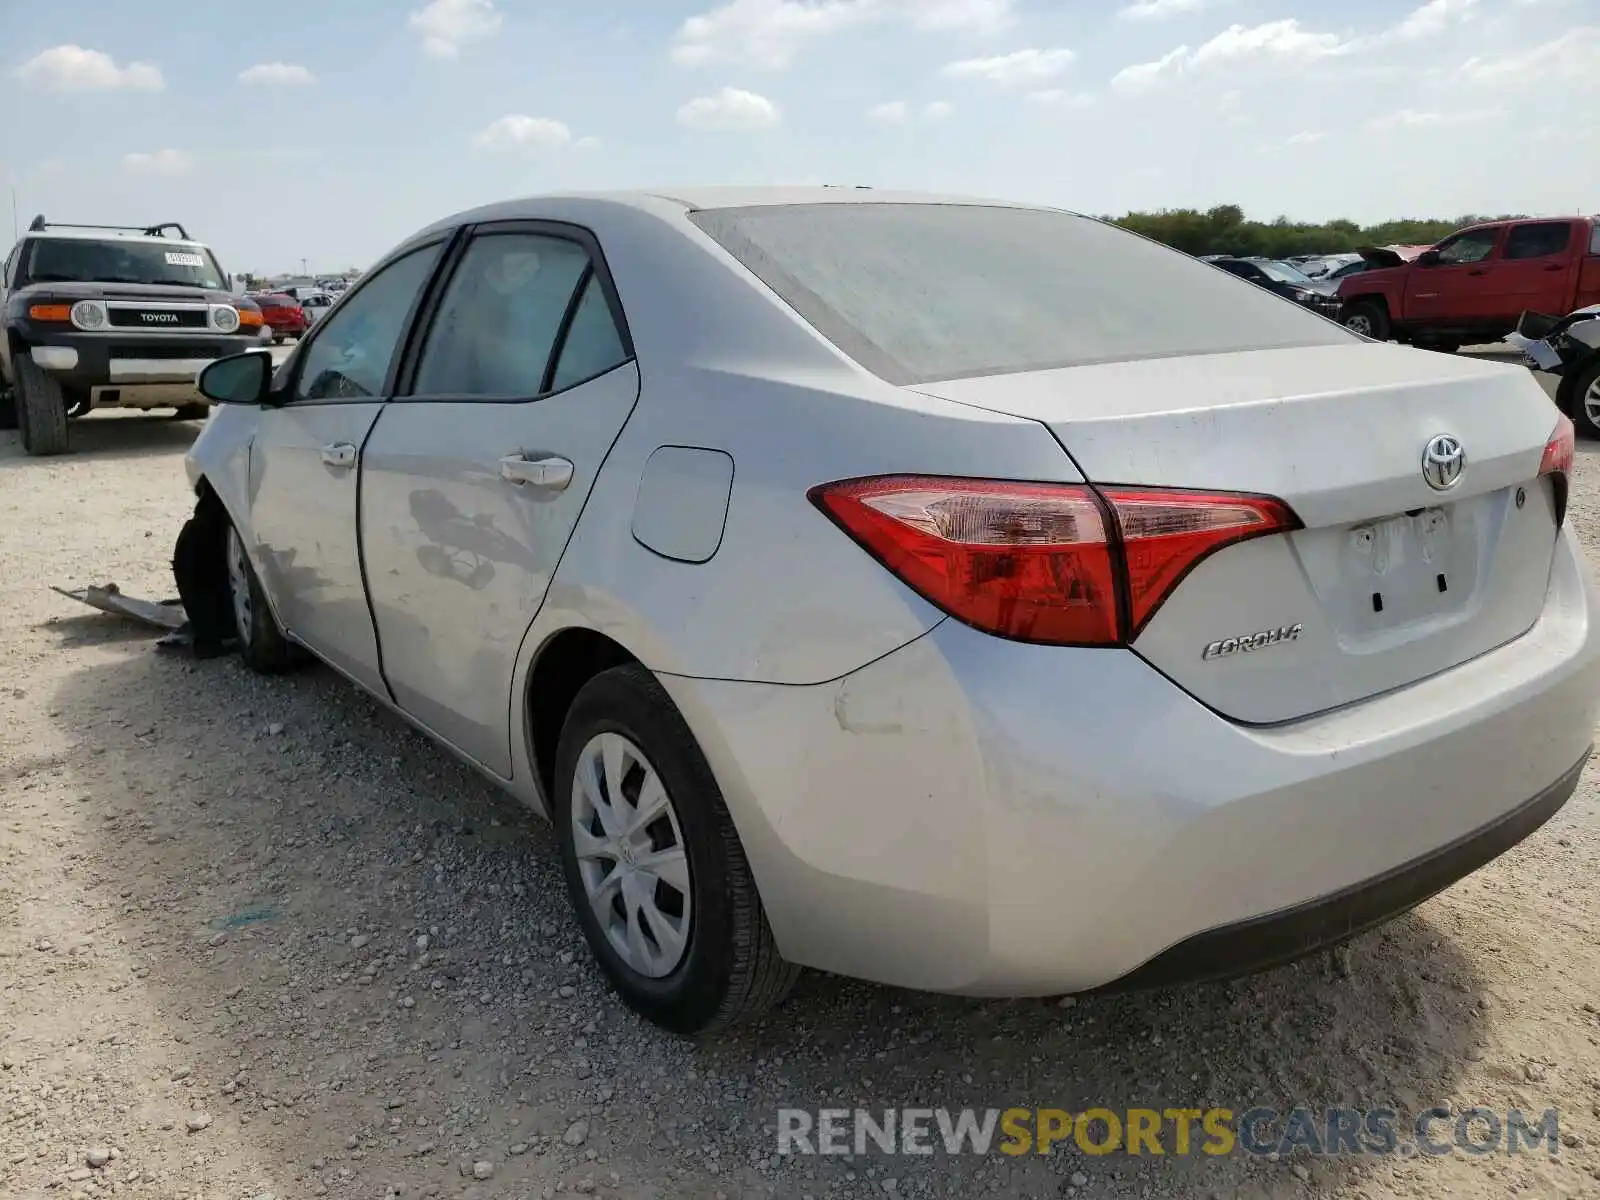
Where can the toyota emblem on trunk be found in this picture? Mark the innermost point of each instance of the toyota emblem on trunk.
(1443, 462)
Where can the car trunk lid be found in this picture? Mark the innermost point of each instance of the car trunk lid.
(1390, 580)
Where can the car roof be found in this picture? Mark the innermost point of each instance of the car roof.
(106, 235)
(675, 201)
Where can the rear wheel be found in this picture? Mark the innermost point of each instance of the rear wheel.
(1368, 318)
(41, 409)
(654, 868)
(261, 643)
(1586, 401)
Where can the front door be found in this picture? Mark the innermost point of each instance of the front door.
(1456, 289)
(1537, 269)
(304, 467)
(472, 483)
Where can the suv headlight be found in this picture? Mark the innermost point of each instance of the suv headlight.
(89, 314)
(224, 318)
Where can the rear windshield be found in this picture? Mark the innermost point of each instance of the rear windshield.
(921, 292)
(1283, 272)
(87, 260)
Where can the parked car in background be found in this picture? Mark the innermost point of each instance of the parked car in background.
(282, 314)
(1282, 279)
(1473, 286)
(316, 304)
(1088, 514)
(1569, 348)
(1321, 268)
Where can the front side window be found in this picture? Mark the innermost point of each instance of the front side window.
(1471, 247)
(350, 357)
(922, 292)
(113, 260)
(501, 316)
(1538, 240)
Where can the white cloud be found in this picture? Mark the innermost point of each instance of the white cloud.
(518, 132)
(158, 162)
(1018, 69)
(447, 25)
(1061, 98)
(771, 33)
(1432, 19)
(76, 69)
(287, 74)
(1569, 58)
(730, 110)
(1156, 10)
(898, 112)
(1410, 118)
(1306, 137)
(1238, 44)
(586, 143)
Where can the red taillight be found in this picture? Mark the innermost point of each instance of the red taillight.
(1066, 564)
(1557, 463)
(1559, 450)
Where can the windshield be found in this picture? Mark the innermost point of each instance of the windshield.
(1282, 272)
(91, 260)
(919, 292)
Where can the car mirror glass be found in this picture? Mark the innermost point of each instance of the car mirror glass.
(237, 379)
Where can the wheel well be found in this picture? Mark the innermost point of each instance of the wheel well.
(568, 661)
(1377, 298)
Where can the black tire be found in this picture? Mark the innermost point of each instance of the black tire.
(41, 409)
(261, 643)
(1587, 379)
(193, 412)
(277, 339)
(1367, 317)
(730, 970)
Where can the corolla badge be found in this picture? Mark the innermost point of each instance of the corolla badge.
(1246, 643)
(1444, 460)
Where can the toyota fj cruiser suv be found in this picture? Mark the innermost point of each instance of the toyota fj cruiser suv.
(110, 316)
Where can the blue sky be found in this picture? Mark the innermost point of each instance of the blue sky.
(329, 130)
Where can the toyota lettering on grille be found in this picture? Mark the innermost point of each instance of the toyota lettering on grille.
(159, 318)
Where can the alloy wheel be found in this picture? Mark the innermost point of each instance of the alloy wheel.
(1591, 402)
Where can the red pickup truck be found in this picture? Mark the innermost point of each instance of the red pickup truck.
(1472, 287)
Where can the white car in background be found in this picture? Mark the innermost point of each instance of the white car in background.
(956, 594)
(315, 304)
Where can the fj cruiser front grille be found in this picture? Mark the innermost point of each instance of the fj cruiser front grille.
(155, 318)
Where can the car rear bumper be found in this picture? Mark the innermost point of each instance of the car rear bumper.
(979, 816)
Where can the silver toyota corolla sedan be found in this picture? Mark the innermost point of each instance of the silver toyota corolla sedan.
(956, 594)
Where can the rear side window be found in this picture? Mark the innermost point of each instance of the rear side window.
(920, 292)
(592, 346)
(501, 316)
(1594, 238)
(1539, 240)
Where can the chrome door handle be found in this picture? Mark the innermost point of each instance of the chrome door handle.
(552, 471)
(339, 454)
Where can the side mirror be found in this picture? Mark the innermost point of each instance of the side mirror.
(238, 379)
(1428, 258)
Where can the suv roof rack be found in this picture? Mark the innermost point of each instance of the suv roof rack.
(39, 225)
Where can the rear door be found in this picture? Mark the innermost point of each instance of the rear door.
(1538, 268)
(472, 483)
(1458, 288)
(303, 468)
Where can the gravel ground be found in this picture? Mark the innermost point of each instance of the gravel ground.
(258, 938)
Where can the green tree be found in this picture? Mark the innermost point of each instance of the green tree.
(1224, 229)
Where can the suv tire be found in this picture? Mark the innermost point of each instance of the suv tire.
(41, 409)
(719, 967)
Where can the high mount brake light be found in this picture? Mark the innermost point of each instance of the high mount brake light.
(1062, 564)
(1557, 462)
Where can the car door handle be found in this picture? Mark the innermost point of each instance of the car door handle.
(551, 472)
(1479, 271)
(339, 454)
(1555, 266)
